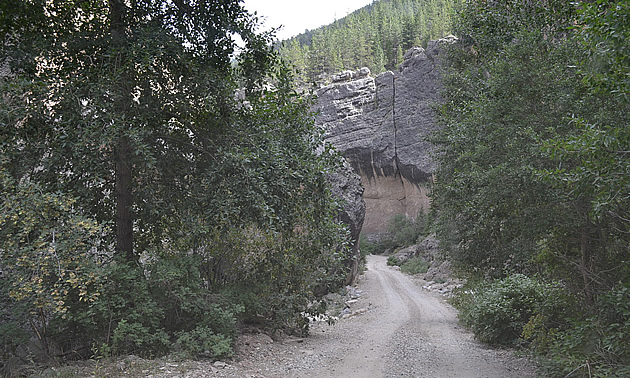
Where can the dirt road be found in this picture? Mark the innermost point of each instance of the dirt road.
(399, 330)
(396, 329)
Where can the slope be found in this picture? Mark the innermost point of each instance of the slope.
(375, 36)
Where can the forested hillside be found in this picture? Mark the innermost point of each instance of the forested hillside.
(375, 36)
(533, 187)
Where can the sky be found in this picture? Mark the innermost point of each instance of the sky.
(299, 15)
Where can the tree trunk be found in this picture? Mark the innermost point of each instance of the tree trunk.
(124, 201)
(124, 194)
(584, 266)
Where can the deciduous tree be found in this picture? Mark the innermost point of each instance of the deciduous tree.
(146, 119)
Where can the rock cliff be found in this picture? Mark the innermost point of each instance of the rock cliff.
(380, 125)
(345, 184)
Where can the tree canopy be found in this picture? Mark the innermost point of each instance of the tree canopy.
(375, 36)
(533, 170)
(149, 166)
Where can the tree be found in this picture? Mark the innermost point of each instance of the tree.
(375, 36)
(604, 30)
(492, 207)
(592, 159)
(294, 52)
(45, 246)
(117, 96)
(533, 169)
(147, 120)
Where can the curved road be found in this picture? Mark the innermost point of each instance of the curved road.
(398, 330)
(406, 331)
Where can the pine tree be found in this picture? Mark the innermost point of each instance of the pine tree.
(377, 35)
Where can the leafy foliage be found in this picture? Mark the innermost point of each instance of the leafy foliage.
(532, 175)
(604, 33)
(402, 232)
(202, 340)
(591, 160)
(491, 209)
(405, 232)
(141, 189)
(415, 265)
(46, 247)
(393, 261)
(499, 311)
(48, 253)
(595, 345)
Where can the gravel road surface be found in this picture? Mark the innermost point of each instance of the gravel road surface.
(397, 329)
(394, 328)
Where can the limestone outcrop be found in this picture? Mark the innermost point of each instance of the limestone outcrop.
(380, 125)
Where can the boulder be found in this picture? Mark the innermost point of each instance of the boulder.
(439, 271)
(429, 248)
(362, 72)
(348, 75)
(342, 76)
(405, 254)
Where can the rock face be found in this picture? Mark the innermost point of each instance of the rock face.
(439, 276)
(346, 186)
(380, 125)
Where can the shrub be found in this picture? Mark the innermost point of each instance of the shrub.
(125, 318)
(368, 248)
(149, 310)
(138, 337)
(203, 341)
(185, 296)
(415, 265)
(498, 312)
(393, 261)
(596, 345)
(12, 323)
(405, 232)
(402, 232)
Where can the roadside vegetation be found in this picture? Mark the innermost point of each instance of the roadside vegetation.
(414, 265)
(144, 207)
(533, 192)
(401, 232)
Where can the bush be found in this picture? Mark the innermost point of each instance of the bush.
(393, 261)
(125, 318)
(13, 331)
(405, 232)
(402, 232)
(596, 345)
(203, 341)
(368, 248)
(415, 265)
(498, 312)
(149, 310)
(88, 302)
